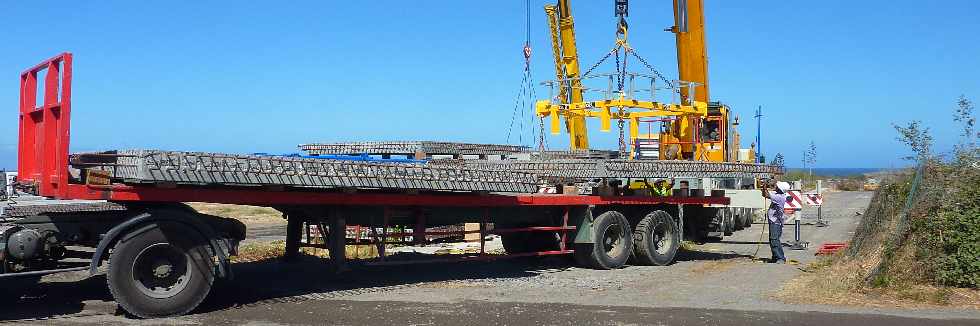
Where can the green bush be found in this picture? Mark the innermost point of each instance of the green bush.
(960, 263)
(943, 216)
(954, 230)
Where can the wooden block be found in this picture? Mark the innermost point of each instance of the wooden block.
(569, 190)
(471, 237)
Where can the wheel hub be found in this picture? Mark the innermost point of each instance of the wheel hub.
(161, 271)
(661, 241)
(611, 240)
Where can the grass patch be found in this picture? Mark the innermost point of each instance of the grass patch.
(261, 251)
(843, 284)
(688, 245)
(246, 214)
(716, 266)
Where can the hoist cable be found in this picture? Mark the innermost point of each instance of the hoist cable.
(526, 91)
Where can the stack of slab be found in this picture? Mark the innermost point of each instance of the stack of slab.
(570, 170)
(411, 148)
(517, 170)
(422, 149)
(201, 168)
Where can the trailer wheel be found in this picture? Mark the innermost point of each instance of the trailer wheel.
(612, 246)
(160, 270)
(656, 239)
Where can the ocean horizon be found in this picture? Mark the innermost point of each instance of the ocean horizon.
(840, 172)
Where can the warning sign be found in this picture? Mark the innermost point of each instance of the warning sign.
(814, 199)
(794, 200)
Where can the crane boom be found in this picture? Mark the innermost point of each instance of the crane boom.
(692, 53)
(567, 68)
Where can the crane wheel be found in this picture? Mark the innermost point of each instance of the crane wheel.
(746, 217)
(738, 220)
(656, 239)
(161, 269)
(729, 218)
(612, 243)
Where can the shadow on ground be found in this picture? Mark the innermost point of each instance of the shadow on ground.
(744, 242)
(26, 299)
(268, 280)
(264, 281)
(274, 281)
(693, 255)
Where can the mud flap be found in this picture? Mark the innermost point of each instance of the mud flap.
(582, 218)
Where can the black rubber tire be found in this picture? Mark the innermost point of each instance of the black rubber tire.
(738, 219)
(744, 220)
(602, 255)
(524, 242)
(176, 238)
(729, 219)
(650, 247)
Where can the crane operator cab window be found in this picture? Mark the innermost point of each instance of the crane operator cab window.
(711, 131)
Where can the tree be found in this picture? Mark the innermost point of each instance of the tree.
(778, 160)
(917, 138)
(964, 115)
(810, 158)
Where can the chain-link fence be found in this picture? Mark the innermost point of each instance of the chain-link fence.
(885, 225)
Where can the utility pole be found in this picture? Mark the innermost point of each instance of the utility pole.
(758, 134)
(805, 161)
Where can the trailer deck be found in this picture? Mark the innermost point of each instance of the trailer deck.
(267, 197)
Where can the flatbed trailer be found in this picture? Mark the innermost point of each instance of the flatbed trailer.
(161, 256)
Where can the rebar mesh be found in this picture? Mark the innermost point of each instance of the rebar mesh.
(410, 148)
(229, 169)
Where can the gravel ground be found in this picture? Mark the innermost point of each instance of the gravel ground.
(717, 282)
(342, 312)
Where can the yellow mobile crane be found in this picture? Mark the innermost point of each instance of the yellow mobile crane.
(693, 129)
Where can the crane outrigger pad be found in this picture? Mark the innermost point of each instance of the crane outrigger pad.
(202, 168)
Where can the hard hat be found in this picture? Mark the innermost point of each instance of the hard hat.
(783, 186)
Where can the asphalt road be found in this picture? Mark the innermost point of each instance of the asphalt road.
(717, 284)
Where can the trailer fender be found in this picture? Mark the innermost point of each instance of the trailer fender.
(582, 217)
(220, 247)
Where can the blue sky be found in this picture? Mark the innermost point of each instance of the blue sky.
(265, 76)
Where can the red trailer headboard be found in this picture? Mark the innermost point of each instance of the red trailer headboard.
(42, 144)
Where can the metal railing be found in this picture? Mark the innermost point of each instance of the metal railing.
(636, 86)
